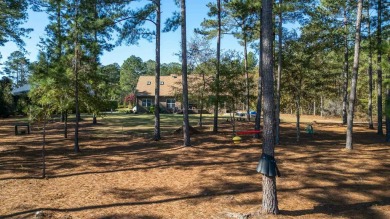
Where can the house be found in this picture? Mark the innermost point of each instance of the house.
(145, 93)
(171, 87)
(21, 90)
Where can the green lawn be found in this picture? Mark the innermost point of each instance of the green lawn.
(144, 123)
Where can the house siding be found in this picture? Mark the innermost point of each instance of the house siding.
(163, 104)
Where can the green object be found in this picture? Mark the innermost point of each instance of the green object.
(309, 129)
(151, 109)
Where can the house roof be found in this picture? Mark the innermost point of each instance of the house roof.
(146, 85)
(20, 90)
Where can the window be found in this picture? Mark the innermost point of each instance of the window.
(171, 103)
(146, 102)
(149, 83)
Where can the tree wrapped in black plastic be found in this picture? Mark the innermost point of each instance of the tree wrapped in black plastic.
(267, 166)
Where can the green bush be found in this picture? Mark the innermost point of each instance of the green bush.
(113, 104)
(151, 109)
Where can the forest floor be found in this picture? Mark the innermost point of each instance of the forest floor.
(121, 175)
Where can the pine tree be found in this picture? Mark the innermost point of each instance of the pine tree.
(270, 201)
(13, 15)
(186, 123)
(214, 28)
(349, 143)
(370, 120)
(217, 89)
(379, 67)
(242, 20)
(132, 30)
(279, 75)
(17, 68)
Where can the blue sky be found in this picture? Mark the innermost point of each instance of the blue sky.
(170, 42)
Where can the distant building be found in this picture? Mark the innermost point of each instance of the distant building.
(145, 93)
(21, 90)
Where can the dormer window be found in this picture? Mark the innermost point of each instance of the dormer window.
(149, 83)
(161, 82)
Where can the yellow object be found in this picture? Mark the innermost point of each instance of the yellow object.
(237, 139)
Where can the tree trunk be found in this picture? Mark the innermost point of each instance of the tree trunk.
(157, 134)
(66, 125)
(258, 105)
(76, 129)
(322, 107)
(388, 106)
(314, 108)
(370, 117)
(370, 120)
(76, 93)
(59, 33)
(201, 102)
(259, 95)
(379, 68)
(279, 77)
(248, 116)
(95, 53)
(270, 201)
(215, 127)
(94, 119)
(44, 150)
(200, 123)
(346, 67)
(387, 110)
(186, 123)
(355, 71)
(297, 106)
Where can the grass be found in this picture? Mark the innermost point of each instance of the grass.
(144, 123)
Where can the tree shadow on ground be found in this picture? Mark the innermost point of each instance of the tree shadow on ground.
(357, 210)
(316, 171)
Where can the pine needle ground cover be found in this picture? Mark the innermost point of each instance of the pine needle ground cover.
(121, 173)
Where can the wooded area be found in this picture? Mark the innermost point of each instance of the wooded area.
(321, 58)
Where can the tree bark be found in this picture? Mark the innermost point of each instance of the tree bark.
(370, 120)
(157, 134)
(186, 123)
(297, 106)
(248, 116)
(76, 72)
(355, 71)
(346, 67)
(44, 150)
(322, 107)
(258, 105)
(388, 105)
(379, 68)
(259, 94)
(314, 108)
(387, 110)
(270, 201)
(201, 101)
(94, 119)
(279, 76)
(66, 125)
(216, 103)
